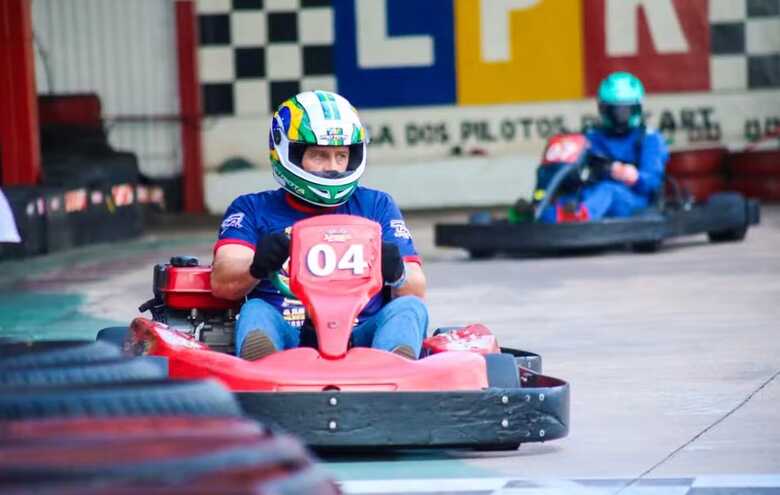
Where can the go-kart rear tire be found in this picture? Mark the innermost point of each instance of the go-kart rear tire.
(498, 447)
(731, 235)
(481, 254)
(647, 247)
(52, 353)
(136, 398)
(502, 371)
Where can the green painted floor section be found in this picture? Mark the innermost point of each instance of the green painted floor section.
(406, 465)
(30, 309)
(49, 316)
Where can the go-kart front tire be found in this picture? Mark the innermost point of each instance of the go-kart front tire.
(479, 254)
(731, 235)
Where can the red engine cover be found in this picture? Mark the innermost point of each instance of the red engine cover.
(190, 287)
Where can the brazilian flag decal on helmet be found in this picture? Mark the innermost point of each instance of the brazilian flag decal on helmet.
(317, 118)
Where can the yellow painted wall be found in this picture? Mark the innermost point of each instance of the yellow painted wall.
(537, 71)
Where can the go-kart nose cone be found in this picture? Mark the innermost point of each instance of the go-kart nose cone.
(335, 269)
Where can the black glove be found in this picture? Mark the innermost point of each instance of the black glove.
(393, 271)
(270, 253)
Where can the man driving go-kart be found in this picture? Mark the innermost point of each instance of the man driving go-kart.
(636, 159)
(318, 154)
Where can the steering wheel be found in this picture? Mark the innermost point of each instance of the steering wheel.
(277, 280)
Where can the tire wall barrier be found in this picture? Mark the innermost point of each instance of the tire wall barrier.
(90, 192)
(65, 404)
(701, 172)
(756, 174)
(52, 219)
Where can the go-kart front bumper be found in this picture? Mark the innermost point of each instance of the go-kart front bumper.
(490, 418)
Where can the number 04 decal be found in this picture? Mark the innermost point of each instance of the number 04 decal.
(321, 260)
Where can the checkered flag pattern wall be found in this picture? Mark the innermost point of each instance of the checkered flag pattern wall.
(744, 44)
(254, 54)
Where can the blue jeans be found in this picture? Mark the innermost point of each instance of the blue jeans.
(603, 199)
(403, 320)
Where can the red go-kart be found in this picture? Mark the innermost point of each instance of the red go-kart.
(462, 392)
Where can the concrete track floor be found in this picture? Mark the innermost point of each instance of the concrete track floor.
(673, 357)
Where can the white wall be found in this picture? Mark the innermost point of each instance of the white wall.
(125, 52)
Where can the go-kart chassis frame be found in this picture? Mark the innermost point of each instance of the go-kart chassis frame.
(733, 214)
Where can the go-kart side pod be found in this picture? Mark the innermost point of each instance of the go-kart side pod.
(493, 418)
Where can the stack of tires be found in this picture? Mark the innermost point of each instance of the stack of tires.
(756, 174)
(98, 181)
(29, 210)
(701, 172)
(81, 418)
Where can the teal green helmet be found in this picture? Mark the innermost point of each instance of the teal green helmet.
(620, 102)
(316, 118)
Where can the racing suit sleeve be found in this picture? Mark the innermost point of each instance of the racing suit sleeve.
(239, 225)
(394, 229)
(652, 164)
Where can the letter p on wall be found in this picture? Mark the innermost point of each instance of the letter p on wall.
(518, 50)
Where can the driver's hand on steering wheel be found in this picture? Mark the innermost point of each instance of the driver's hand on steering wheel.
(625, 173)
(270, 254)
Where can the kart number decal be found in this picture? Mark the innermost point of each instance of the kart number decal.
(321, 260)
(562, 152)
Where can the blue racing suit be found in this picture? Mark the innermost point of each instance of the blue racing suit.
(641, 147)
(382, 324)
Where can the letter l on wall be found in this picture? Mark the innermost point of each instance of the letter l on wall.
(375, 49)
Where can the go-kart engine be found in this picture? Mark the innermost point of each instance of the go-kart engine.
(183, 300)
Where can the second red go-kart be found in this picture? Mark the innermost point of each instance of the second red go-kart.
(463, 392)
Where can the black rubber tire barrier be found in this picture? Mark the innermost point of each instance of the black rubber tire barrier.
(502, 370)
(111, 371)
(27, 206)
(59, 235)
(704, 186)
(115, 429)
(89, 169)
(139, 398)
(55, 352)
(696, 163)
(309, 480)
(152, 460)
(763, 163)
(114, 335)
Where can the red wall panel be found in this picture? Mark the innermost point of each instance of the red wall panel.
(660, 72)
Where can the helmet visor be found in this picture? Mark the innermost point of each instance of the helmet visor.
(621, 116)
(296, 151)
